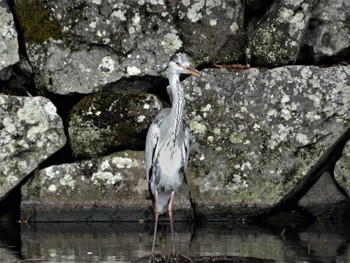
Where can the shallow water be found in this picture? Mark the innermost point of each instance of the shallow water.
(124, 242)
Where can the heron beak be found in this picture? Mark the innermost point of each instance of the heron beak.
(193, 71)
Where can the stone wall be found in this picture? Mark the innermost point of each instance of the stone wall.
(269, 117)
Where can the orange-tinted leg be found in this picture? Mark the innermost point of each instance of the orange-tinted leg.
(156, 214)
(171, 219)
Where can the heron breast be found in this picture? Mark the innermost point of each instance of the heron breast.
(170, 176)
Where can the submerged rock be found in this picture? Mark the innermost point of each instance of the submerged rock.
(111, 188)
(258, 133)
(30, 132)
(102, 123)
(8, 42)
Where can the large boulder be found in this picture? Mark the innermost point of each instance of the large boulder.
(328, 35)
(64, 70)
(211, 31)
(8, 42)
(93, 43)
(110, 188)
(257, 133)
(276, 39)
(105, 122)
(30, 132)
(297, 31)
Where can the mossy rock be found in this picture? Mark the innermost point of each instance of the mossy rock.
(103, 123)
(35, 21)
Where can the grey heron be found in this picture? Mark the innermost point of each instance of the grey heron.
(167, 147)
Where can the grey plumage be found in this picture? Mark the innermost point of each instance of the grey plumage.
(167, 145)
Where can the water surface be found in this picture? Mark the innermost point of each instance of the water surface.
(124, 242)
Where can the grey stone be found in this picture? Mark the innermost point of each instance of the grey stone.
(324, 199)
(277, 38)
(105, 122)
(342, 170)
(104, 41)
(8, 42)
(111, 188)
(211, 31)
(65, 71)
(30, 132)
(328, 35)
(258, 133)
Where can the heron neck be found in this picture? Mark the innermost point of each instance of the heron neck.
(177, 109)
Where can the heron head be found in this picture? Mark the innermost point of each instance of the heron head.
(180, 64)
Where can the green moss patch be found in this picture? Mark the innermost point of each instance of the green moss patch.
(35, 21)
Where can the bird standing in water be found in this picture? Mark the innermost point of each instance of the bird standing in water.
(167, 147)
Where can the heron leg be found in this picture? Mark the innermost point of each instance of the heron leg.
(156, 214)
(171, 219)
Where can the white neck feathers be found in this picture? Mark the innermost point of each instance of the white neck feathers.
(177, 108)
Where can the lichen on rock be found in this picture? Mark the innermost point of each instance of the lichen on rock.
(278, 37)
(86, 45)
(30, 132)
(8, 42)
(274, 126)
(109, 188)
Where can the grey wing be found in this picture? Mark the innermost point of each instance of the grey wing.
(151, 147)
(186, 144)
(153, 141)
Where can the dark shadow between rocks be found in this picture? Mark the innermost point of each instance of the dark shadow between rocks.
(151, 84)
(255, 9)
(64, 104)
(10, 205)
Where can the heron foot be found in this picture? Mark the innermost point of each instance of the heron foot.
(174, 257)
(156, 258)
(186, 257)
